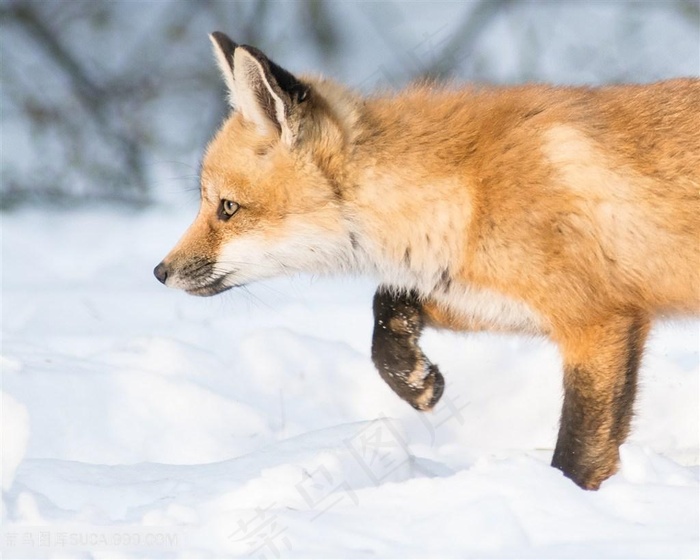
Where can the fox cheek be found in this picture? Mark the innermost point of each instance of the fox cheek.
(238, 255)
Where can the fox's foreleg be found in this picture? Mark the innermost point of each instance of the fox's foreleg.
(399, 319)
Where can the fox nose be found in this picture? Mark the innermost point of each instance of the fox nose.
(161, 272)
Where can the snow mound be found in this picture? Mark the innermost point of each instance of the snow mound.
(255, 425)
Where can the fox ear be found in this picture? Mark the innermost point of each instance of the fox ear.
(267, 94)
(264, 93)
(224, 48)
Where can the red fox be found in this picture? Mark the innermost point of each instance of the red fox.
(572, 213)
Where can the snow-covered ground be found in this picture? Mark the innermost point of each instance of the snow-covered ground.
(138, 421)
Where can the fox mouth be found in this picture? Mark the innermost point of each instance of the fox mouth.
(215, 287)
(201, 281)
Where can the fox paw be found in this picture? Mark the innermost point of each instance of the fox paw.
(432, 388)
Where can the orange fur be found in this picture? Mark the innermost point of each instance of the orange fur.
(569, 212)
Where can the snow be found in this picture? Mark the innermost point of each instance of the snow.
(139, 422)
(15, 433)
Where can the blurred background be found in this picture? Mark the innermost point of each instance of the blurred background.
(113, 102)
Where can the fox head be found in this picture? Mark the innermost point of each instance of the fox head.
(270, 201)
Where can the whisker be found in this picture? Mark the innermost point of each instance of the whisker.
(256, 298)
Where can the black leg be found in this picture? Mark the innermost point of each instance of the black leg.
(398, 323)
(600, 380)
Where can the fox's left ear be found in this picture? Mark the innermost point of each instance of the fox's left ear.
(265, 94)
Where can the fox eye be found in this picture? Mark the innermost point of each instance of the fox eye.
(227, 209)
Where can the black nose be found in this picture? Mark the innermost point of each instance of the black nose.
(161, 272)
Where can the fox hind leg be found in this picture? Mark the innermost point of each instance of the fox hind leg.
(398, 323)
(600, 379)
